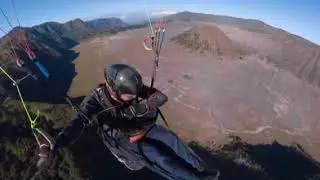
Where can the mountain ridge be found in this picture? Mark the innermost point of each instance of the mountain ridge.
(245, 23)
(53, 37)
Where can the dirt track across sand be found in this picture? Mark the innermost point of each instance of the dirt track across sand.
(209, 98)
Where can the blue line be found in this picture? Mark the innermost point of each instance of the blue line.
(42, 68)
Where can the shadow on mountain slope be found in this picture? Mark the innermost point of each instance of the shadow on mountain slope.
(238, 160)
(77, 100)
(53, 90)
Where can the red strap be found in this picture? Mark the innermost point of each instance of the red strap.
(137, 137)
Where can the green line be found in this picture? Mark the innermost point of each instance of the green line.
(32, 121)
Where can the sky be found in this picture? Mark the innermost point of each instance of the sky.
(300, 17)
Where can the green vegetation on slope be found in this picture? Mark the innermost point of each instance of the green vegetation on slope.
(208, 38)
(191, 40)
(18, 147)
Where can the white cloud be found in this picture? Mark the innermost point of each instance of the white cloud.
(163, 13)
(123, 16)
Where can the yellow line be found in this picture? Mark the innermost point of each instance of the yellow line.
(32, 122)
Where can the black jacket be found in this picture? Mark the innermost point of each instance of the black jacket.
(99, 106)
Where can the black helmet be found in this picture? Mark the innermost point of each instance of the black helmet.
(123, 79)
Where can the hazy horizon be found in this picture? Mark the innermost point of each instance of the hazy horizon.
(296, 17)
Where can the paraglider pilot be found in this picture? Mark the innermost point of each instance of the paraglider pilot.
(125, 111)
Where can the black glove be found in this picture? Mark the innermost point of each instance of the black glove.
(47, 147)
(136, 110)
(44, 155)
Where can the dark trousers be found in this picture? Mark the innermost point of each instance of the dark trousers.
(162, 152)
